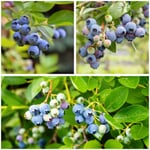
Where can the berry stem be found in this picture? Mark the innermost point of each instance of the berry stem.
(49, 92)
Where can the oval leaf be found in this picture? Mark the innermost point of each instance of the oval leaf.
(133, 113)
(130, 82)
(113, 144)
(92, 144)
(116, 99)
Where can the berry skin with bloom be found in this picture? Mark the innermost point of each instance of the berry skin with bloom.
(17, 36)
(34, 51)
(43, 45)
(34, 110)
(95, 30)
(83, 51)
(79, 119)
(37, 120)
(44, 108)
(111, 35)
(95, 65)
(140, 32)
(87, 113)
(89, 120)
(91, 59)
(120, 31)
(92, 128)
(78, 109)
(90, 22)
(23, 20)
(62, 33)
(126, 18)
(102, 119)
(56, 34)
(15, 25)
(24, 29)
(33, 38)
(130, 27)
(64, 105)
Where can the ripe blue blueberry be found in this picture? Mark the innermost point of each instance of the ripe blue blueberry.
(15, 25)
(90, 37)
(23, 20)
(140, 32)
(120, 31)
(61, 121)
(146, 13)
(91, 59)
(22, 145)
(142, 22)
(50, 125)
(95, 65)
(145, 7)
(55, 121)
(78, 109)
(56, 34)
(98, 54)
(44, 108)
(90, 22)
(37, 120)
(126, 18)
(62, 32)
(101, 48)
(25, 29)
(33, 38)
(34, 110)
(119, 39)
(89, 120)
(130, 27)
(43, 45)
(64, 105)
(95, 29)
(17, 36)
(92, 128)
(107, 128)
(102, 119)
(79, 119)
(130, 36)
(83, 51)
(42, 143)
(61, 112)
(111, 35)
(87, 113)
(34, 51)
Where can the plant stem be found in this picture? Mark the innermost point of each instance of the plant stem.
(67, 92)
(14, 107)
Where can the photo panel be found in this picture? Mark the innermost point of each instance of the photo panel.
(112, 37)
(73, 112)
(37, 37)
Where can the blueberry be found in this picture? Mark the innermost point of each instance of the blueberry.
(145, 7)
(142, 22)
(130, 27)
(87, 113)
(54, 112)
(43, 45)
(89, 120)
(17, 36)
(25, 39)
(146, 13)
(50, 125)
(61, 112)
(42, 143)
(44, 108)
(102, 119)
(33, 38)
(95, 65)
(23, 20)
(120, 31)
(83, 51)
(107, 43)
(19, 138)
(88, 44)
(119, 39)
(107, 128)
(95, 30)
(61, 121)
(79, 119)
(64, 105)
(62, 32)
(90, 22)
(56, 34)
(34, 110)
(15, 25)
(78, 109)
(37, 120)
(126, 18)
(90, 37)
(55, 122)
(98, 54)
(34, 51)
(111, 35)
(92, 128)
(91, 59)
(22, 145)
(130, 36)
(140, 32)
(101, 48)
(25, 29)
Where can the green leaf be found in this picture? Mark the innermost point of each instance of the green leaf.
(14, 80)
(11, 99)
(79, 83)
(92, 144)
(133, 113)
(112, 47)
(38, 6)
(104, 93)
(146, 141)
(108, 79)
(144, 91)
(116, 99)
(88, 10)
(7, 43)
(61, 18)
(33, 89)
(6, 144)
(113, 122)
(67, 141)
(130, 82)
(92, 83)
(139, 132)
(113, 144)
(137, 5)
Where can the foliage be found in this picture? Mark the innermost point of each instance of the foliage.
(44, 18)
(124, 100)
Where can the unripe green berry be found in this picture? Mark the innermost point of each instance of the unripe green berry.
(102, 129)
(107, 43)
(108, 18)
(91, 50)
(96, 38)
(120, 137)
(43, 84)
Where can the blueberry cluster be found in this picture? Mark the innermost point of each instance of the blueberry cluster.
(51, 114)
(126, 138)
(146, 10)
(24, 140)
(59, 33)
(23, 36)
(87, 115)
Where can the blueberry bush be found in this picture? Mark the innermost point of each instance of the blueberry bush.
(37, 37)
(108, 27)
(75, 112)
